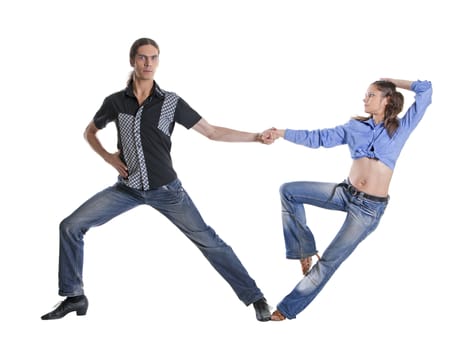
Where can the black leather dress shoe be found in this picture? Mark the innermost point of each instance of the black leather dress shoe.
(263, 312)
(77, 304)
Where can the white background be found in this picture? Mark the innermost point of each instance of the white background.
(248, 65)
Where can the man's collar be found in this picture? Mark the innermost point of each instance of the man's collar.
(156, 91)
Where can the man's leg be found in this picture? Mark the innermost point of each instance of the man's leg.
(173, 202)
(96, 211)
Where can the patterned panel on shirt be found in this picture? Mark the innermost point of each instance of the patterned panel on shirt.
(140, 152)
(168, 112)
(127, 126)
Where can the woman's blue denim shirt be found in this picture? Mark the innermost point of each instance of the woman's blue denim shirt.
(364, 138)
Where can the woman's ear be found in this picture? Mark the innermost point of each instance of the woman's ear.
(385, 101)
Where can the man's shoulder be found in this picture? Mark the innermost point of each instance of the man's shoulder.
(167, 94)
(116, 95)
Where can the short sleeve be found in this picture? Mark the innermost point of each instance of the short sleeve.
(185, 115)
(105, 114)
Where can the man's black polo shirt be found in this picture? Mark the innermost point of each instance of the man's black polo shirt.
(144, 133)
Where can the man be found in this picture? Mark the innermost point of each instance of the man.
(145, 116)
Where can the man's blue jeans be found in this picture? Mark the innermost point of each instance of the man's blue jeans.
(174, 203)
(362, 217)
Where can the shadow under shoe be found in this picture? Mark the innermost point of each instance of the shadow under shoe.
(262, 309)
(70, 304)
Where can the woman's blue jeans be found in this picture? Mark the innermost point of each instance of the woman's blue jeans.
(362, 217)
(174, 203)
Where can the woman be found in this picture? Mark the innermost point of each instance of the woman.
(375, 143)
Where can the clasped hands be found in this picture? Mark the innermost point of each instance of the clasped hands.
(268, 136)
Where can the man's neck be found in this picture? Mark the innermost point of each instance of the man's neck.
(142, 89)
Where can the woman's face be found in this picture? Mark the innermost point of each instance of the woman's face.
(374, 102)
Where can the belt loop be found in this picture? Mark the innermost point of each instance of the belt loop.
(353, 190)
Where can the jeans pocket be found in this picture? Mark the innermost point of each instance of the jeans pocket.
(174, 186)
(372, 208)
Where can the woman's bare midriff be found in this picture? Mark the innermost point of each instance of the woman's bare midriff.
(370, 176)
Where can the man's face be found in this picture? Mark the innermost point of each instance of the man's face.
(145, 62)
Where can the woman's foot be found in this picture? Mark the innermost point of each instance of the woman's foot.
(277, 316)
(306, 263)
